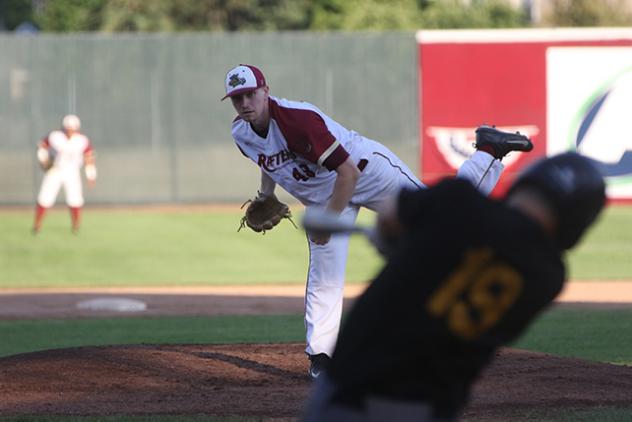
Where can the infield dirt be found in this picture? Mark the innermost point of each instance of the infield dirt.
(268, 382)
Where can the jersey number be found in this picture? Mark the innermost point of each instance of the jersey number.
(303, 174)
(476, 295)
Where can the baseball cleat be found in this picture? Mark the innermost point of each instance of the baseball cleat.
(499, 143)
(318, 365)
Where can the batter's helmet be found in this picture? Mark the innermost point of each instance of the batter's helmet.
(573, 187)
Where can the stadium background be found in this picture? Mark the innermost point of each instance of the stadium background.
(151, 104)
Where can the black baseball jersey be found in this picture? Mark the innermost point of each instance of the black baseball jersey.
(469, 275)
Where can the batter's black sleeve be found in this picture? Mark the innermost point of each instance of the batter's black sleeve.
(416, 204)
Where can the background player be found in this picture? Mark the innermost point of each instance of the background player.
(462, 281)
(62, 154)
(321, 163)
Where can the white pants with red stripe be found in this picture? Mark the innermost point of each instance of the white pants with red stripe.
(327, 263)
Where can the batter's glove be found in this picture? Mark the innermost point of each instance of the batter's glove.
(264, 212)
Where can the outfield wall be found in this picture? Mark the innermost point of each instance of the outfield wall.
(151, 104)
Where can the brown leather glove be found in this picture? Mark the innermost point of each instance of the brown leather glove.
(264, 212)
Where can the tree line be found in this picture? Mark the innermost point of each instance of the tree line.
(287, 15)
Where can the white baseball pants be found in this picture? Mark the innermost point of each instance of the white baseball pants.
(53, 180)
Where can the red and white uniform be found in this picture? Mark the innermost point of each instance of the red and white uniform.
(301, 151)
(66, 169)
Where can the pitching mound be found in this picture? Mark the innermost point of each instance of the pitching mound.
(268, 381)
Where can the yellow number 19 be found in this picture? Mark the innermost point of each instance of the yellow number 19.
(476, 294)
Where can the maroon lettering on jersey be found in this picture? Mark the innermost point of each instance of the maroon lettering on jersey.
(272, 162)
(285, 155)
(261, 162)
(306, 134)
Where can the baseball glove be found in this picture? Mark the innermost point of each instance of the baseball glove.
(264, 212)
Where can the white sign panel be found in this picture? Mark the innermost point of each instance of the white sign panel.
(589, 109)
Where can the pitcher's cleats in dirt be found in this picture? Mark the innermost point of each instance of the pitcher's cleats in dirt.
(499, 143)
(318, 365)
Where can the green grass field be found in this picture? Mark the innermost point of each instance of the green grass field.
(153, 248)
(23, 336)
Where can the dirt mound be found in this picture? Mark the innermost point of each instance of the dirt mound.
(530, 380)
(265, 380)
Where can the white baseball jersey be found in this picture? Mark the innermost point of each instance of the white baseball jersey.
(302, 149)
(66, 170)
(68, 152)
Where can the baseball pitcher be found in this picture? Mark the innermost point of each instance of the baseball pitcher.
(323, 164)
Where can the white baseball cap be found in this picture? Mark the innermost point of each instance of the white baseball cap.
(71, 122)
(243, 78)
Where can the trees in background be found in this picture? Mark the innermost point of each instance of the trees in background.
(275, 15)
(69, 15)
(589, 13)
(14, 12)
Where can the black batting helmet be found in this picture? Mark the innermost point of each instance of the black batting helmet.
(573, 187)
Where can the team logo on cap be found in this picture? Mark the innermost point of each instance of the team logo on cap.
(234, 80)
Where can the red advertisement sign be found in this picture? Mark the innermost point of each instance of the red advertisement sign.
(469, 78)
